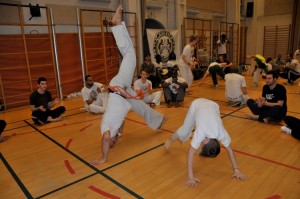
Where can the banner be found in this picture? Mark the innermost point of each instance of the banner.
(163, 42)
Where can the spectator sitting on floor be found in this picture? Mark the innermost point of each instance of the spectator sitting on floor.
(174, 89)
(235, 88)
(272, 105)
(144, 88)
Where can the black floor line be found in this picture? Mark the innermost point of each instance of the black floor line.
(67, 185)
(17, 179)
(86, 163)
(132, 157)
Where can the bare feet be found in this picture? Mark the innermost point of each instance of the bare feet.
(2, 139)
(252, 117)
(117, 18)
(266, 120)
(168, 144)
(98, 161)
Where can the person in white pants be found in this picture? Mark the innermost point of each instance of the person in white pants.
(185, 63)
(94, 95)
(143, 87)
(204, 116)
(121, 97)
(235, 88)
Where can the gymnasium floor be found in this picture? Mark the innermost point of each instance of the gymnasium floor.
(53, 161)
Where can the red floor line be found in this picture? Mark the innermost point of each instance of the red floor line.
(85, 127)
(69, 167)
(103, 193)
(267, 160)
(274, 197)
(68, 144)
(244, 153)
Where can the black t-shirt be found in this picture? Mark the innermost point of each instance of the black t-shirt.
(38, 99)
(225, 61)
(276, 94)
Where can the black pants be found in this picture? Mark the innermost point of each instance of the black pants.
(214, 70)
(43, 116)
(275, 113)
(2, 126)
(170, 96)
(290, 75)
(294, 124)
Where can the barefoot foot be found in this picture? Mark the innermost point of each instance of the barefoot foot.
(252, 117)
(117, 18)
(98, 161)
(168, 144)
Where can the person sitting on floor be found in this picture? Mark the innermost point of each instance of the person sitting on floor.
(292, 73)
(143, 87)
(174, 89)
(41, 103)
(235, 88)
(94, 95)
(292, 126)
(272, 106)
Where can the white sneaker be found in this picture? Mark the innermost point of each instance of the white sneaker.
(286, 129)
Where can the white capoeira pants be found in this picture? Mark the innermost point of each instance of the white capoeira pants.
(186, 73)
(117, 106)
(256, 75)
(154, 97)
(99, 105)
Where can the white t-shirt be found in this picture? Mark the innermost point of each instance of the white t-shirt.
(188, 52)
(179, 79)
(233, 84)
(297, 67)
(138, 85)
(85, 92)
(222, 47)
(208, 123)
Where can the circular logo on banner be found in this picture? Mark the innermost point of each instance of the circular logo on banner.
(164, 44)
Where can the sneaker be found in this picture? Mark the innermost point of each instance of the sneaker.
(286, 129)
(216, 85)
(255, 84)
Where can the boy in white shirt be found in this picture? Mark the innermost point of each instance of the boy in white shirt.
(235, 88)
(204, 116)
(143, 87)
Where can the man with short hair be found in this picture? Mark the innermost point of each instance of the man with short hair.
(235, 88)
(144, 88)
(185, 63)
(94, 95)
(272, 106)
(174, 89)
(213, 69)
(204, 116)
(226, 68)
(260, 65)
(41, 103)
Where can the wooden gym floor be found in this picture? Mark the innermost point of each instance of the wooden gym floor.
(53, 161)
